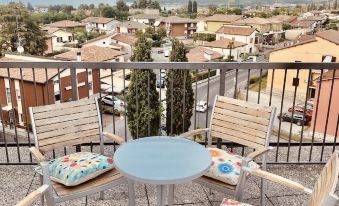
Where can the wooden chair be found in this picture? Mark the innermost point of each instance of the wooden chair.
(33, 196)
(72, 123)
(243, 123)
(323, 191)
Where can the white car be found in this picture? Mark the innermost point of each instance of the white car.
(202, 106)
(166, 53)
(109, 101)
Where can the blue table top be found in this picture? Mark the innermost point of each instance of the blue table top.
(162, 160)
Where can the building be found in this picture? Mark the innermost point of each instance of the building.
(102, 41)
(319, 21)
(213, 23)
(100, 24)
(148, 19)
(177, 26)
(227, 47)
(325, 94)
(244, 34)
(18, 94)
(41, 9)
(144, 11)
(59, 37)
(66, 24)
(286, 19)
(130, 27)
(201, 54)
(124, 43)
(307, 49)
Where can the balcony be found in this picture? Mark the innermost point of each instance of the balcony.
(300, 150)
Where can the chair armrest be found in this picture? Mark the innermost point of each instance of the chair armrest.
(278, 179)
(114, 137)
(30, 198)
(37, 154)
(259, 152)
(191, 134)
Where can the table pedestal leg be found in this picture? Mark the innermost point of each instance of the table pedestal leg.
(131, 193)
(161, 195)
(170, 198)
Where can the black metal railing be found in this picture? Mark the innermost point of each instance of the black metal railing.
(32, 83)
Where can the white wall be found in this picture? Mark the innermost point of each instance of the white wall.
(241, 38)
(225, 52)
(105, 42)
(65, 35)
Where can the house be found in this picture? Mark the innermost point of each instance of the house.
(177, 26)
(319, 21)
(286, 19)
(124, 43)
(66, 24)
(148, 19)
(227, 47)
(59, 37)
(130, 27)
(271, 30)
(307, 49)
(102, 41)
(201, 54)
(41, 9)
(100, 24)
(18, 94)
(322, 103)
(213, 23)
(299, 27)
(244, 34)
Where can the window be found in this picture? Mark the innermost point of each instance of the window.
(59, 39)
(22, 117)
(251, 40)
(57, 97)
(18, 95)
(90, 85)
(90, 72)
(8, 94)
(69, 38)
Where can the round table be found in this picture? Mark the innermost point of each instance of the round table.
(163, 161)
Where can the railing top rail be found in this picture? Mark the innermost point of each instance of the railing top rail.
(171, 65)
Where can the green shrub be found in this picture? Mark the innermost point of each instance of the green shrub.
(203, 75)
(204, 37)
(109, 110)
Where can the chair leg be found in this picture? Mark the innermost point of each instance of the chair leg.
(131, 193)
(102, 195)
(41, 183)
(262, 192)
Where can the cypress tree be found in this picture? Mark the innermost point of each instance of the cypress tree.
(143, 106)
(195, 7)
(189, 7)
(179, 94)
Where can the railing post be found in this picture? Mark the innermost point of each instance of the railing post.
(222, 93)
(75, 95)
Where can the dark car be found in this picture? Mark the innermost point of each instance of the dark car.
(161, 83)
(297, 118)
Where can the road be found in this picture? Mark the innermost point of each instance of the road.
(198, 119)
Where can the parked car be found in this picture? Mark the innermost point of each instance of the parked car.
(108, 100)
(300, 110)
(162, 73)
(166, 53)
(160, 51)
(161, 83)
(202, 106)
(297, 118)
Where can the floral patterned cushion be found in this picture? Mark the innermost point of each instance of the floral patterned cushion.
(226, 166)
(230, 202)
(76, 168)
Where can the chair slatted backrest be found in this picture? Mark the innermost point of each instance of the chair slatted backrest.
(65, 124)
(326, 183)
(242, 122)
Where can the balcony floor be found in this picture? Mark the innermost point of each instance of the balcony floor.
(17, 181)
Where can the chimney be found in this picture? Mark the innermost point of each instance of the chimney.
(79, 55)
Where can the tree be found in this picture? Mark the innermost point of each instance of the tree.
(18, 28)
(195, 7)
(143, 105)
(189, 7)
(29, 6)
(91, 6)
(108, 12)
(83, 7)
(179, 94)
(121, 6)
(142, 4)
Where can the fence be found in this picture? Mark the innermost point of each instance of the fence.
(287, 86)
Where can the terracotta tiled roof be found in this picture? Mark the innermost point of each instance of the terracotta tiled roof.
(329, 75)
(66, 24)
(92, 53)
(236, 30)
(132, 25)
(223, 43)
(124, 38)
(224, 18)
(176, 20)
(145, 16)
(199, 53)
(254, 20)
(50, 30)
(27, 73)
(329, 35)
(313, 18)
(284, 18)
(304, 38)
(302, 24)
(99, 20)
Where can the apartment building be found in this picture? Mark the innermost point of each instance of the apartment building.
(177, 26)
